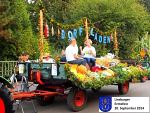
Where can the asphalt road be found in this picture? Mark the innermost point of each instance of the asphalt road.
(60, 104)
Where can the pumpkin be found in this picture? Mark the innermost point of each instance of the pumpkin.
(82, 69)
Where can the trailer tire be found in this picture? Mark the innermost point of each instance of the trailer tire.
(44, 101)
(123, 88)
(142, 79)
(6, 104)
(76, 99)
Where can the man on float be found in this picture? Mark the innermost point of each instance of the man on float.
(72, 56)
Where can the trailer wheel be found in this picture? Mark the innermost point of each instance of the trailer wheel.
(76, 99)
(6, 104)
(44, 100)
(149, 77)
(143, 79)
(123, 88)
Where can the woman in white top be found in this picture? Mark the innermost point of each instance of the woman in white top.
(89, 52)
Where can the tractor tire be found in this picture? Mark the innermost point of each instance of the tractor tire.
(44, 101)
(76, 99)
(6, 104)
(123, 88)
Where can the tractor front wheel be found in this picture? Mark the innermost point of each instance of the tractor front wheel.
(76, 99)
(6, 104)
(123, 87)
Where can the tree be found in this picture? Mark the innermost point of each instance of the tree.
(7, 43)
(16, 33)
(22, 29)
(147, 4)
(52, 8)
(128, 16)
(5, 18)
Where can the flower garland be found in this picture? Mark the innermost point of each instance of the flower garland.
(78, 23)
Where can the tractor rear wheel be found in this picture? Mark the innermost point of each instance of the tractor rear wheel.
(76, 99)
(6, 104)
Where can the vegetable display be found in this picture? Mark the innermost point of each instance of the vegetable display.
(120, 73)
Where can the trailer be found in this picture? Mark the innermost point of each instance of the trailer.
(52, 81)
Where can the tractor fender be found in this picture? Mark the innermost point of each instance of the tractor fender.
(5, 82)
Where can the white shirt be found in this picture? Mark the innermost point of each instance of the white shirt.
(28, 61)
(86, 52)
(70, 51)
(50, 60)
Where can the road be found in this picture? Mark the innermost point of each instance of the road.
(60, 105)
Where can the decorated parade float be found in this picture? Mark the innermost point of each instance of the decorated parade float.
(66, 80)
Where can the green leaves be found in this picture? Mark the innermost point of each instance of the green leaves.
(129, 16)
(22, 29)
(19, 21)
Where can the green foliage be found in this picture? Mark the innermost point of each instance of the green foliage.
(5, 19)
(19, 24)
(8, 50)
(136, 47)
(7, 43)
(147, 4)
(21, 28)
(36, 53)
(129, 16)
(16, 33)
(46, 46)
(55, 52)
